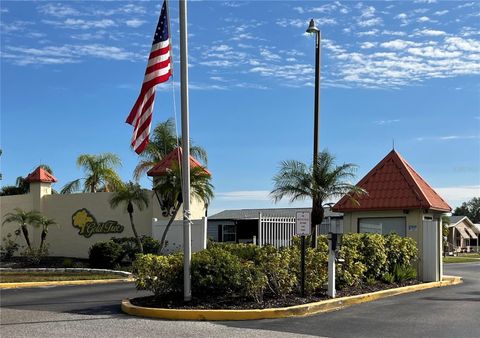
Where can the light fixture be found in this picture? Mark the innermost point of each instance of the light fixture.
(312, 28)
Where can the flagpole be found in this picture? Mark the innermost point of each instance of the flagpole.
(187, 234)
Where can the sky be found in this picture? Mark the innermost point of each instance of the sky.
(402, 72)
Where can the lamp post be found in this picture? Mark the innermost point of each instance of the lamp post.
(312, 29)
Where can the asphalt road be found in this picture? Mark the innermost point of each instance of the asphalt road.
(94, 311)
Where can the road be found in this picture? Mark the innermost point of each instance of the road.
(94, 311)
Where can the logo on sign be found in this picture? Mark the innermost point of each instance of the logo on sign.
(302, 223)
(88, 225)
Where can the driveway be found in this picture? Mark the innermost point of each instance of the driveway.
(94, 311)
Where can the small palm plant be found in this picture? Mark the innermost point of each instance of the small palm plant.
(168, 189)
(100, 174)
(44, 223)
(23, 218)
(320, 183)
(131, 194)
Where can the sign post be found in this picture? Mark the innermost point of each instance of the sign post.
(302, 228)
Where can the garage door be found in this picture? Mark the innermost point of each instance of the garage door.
(382, 226)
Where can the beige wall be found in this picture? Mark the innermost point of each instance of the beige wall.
(65, 240)
(413, 217)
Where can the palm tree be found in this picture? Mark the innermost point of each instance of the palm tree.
(23, 218)
(169, 189)
(131, 194)
(44, 222)
(99, 171)
(164, 141)
(320, 183)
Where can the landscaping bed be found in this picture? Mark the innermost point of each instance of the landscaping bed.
(44, 262)
(228, 303)
(21, 277)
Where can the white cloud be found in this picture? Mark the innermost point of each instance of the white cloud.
(424, 19)
(455, 196)
(440, 13)
(134, 23)
(58, 10)
(448, 138)
(399, 44)
(299, 10)
(430, 32)
(385, 122)
(367, 45)
(81, 24)
(244, 195)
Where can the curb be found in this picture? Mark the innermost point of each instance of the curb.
(291, 311)
(20, 285)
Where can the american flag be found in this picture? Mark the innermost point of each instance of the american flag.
(158, 70)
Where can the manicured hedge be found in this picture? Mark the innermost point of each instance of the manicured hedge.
(252, 272)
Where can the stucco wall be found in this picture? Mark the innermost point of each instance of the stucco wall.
(65, 239)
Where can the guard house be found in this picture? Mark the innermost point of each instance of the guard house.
(399, 200)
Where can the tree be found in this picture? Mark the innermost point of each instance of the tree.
(23, 218)
(169, 189)
(100, 174)
(44, 223)
(298, 182)
(131, 194)
(471, 209)
(163, 142)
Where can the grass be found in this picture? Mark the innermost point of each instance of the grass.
(18, 277)
(462, 259)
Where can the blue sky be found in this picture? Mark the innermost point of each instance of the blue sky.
(408, 71)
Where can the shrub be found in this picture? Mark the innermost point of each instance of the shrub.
(162, 275)
(351, 271)
(403, 273)
(277, 266)
(8, 248)
(216, 271)
(374, 255)
(105, 255)
(400, 251)
(130, 246)
(34, 256)
(316, 270)
(67, 263)
(388, 278)
(254, 282)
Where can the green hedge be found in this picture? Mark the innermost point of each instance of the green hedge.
(252, 272)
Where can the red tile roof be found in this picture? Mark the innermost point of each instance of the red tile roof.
(167, 163)
(394, 184)
(41, 175)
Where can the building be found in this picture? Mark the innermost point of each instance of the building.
(274, 226)
(462, 235)
(399, 200)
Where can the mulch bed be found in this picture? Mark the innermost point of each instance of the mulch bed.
(46, 262)
(229, 303)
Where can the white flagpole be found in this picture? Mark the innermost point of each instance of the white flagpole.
(187, 232)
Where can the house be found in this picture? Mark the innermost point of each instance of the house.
(274, 226)
(462, 235)
(399, 201)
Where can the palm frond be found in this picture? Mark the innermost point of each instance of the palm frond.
(71, 187)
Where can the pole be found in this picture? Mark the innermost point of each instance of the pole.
(302, 266)
(331, 266)
(316, 123)
(187, 250)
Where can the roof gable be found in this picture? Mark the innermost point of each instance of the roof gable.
(168, 161)
(41, 175)
(394, 184)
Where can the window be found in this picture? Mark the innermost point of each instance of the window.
(229, 233)
(383, 226)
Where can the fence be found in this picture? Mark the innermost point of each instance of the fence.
(279, 230)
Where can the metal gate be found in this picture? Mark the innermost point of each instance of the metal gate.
(276, 230)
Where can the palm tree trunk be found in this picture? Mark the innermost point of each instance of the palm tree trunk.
(164, 236)
(25, 234)
(139, 242)
(43, 236)
(317, 219)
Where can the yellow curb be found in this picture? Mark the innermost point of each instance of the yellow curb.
(63, 283)
(291, 311)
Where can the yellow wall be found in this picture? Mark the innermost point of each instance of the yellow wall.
(64, 240)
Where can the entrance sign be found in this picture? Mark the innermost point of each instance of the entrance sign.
(88, 225)
(302, 223)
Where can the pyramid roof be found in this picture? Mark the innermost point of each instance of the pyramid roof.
(41, 175)
(168, 161)
(394, 184)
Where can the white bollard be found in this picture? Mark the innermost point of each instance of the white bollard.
(331, 271)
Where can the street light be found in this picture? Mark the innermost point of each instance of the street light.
(312, 29)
